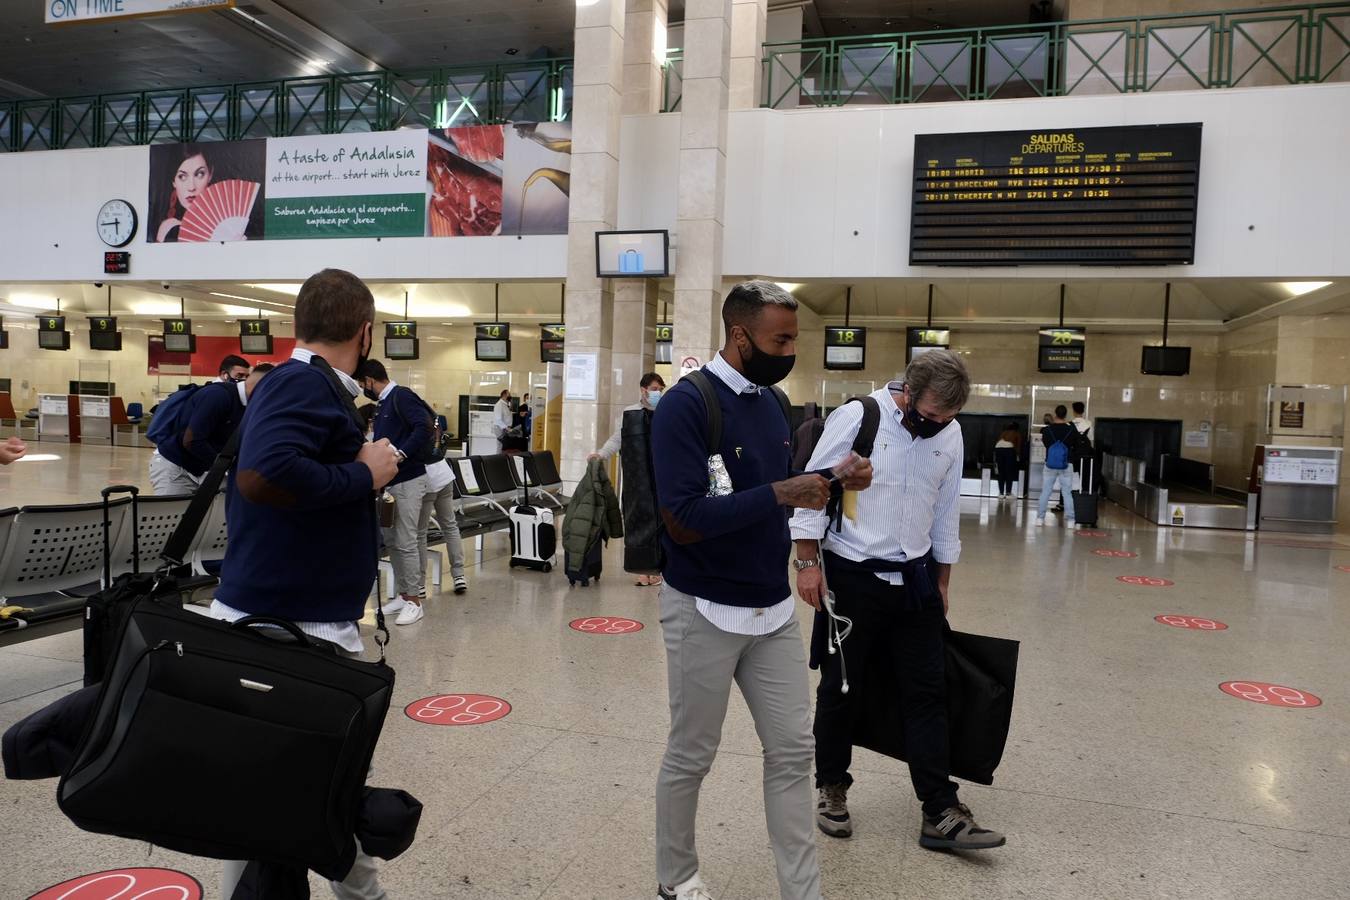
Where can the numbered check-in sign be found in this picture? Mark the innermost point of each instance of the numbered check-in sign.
(1270, 694)
(605, 625)
(125, 884)
(457, 709)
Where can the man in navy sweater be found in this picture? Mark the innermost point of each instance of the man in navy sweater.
(303, 534)
(213, 413)
(726, 607)
(406, 421)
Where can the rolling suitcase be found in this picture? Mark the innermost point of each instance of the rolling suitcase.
(1085, 499)
(583, 570)
(534, 540)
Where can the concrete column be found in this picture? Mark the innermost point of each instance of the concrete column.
(634, 341)
(644, 52)
(748, 27)
(702, 181)
(596, 106)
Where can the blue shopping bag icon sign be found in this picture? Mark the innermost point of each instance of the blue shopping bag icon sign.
(630, 262)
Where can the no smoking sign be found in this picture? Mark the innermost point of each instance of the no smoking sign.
(1144, 581)
(1116, 554)
(1270, 694)
(457, 709)
(1194, 622)
(125, 884)
(605, 625)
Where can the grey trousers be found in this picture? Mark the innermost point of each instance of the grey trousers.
(443, 503)
(701, 663)
(170, 479)
(401, 541)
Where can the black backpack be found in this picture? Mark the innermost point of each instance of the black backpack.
(643, 528)
(434, 451)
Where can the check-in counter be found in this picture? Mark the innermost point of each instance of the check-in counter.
(1128, 486)
(58, 418)
(96, 420)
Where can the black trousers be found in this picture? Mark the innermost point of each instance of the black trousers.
(885, 616)
(1006, 458)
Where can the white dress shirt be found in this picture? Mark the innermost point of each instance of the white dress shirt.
(746, 620)
(501, 417)
(345, 634)
(914, 501)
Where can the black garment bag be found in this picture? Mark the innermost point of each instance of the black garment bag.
(222, 740)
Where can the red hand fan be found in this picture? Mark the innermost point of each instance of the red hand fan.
(220, 212)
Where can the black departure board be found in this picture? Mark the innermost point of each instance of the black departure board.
(845, 347)
(103, 333)
(1121, 196)
(1061, 349)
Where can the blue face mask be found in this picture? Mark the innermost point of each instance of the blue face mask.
(653, 398)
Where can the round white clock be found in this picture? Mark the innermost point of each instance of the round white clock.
(116, 223)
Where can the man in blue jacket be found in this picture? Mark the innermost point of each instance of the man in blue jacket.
(406, 421)
(213, 413)
(726, 607)
(303, 533)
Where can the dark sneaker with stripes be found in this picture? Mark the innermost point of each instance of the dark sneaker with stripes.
(832, 811)
(955, 829)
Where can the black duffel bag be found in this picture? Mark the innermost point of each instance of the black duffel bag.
(217, 740)
(643, 529)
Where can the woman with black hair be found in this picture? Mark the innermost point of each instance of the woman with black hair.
(1006, 451)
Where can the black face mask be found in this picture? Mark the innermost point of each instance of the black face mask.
(764, 369)
(922, 427)
(364, 355)
(370, 394)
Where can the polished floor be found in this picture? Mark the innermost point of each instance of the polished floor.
(1128, 774)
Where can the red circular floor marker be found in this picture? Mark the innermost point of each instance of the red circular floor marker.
(1270, 694)
(1191, 622)
(125, 884)
(1343, 568)
(1117, 554)
(605, 625)
(1144, 580)
(1087, 532)
(457, 709)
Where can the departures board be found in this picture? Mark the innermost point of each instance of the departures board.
(1121, 196)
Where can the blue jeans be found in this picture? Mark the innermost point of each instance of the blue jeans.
(1049, 477)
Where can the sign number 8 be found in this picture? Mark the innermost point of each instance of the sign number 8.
(1270, 694)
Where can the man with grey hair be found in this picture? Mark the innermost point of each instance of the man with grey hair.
(889, 558)
(726, 606)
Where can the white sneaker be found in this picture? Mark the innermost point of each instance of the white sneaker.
(412, 612)
(1040, 520)
(693, 889)
(393, 606)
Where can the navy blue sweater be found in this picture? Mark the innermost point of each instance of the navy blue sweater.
(732, 549)
(403, 418)
(303, 533)
(214, 413)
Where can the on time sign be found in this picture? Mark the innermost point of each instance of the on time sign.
(63, 11)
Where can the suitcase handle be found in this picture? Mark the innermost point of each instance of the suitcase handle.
(106, 493)
(289, 627)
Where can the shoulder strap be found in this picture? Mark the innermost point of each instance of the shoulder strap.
(712, 408)
(867, 429)
(784, 402)
(176, 547)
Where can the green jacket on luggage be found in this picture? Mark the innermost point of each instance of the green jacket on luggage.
(594, 510)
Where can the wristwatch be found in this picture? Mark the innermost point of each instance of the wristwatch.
(800, 564)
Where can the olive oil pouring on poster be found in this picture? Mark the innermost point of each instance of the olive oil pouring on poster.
(473, 181)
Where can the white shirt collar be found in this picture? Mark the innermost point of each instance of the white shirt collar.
(302, 355)
(243, 394)
(738, 383)
(388, 389)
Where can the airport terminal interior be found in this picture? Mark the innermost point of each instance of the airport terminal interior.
(1133, 210)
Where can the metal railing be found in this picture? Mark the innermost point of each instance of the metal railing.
(1305, 44)
(530, 91)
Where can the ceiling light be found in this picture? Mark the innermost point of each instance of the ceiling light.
(33, 301)
(788, 286)
(587, 2)
(155, 308)
(1299, 288)
(278, 288)
(319, 63)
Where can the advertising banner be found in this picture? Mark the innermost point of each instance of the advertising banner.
(347, 185)
(474, 181)
(62, 11)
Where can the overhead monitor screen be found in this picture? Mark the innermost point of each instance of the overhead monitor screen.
(180, 343)
(255, 344)
(1123, 196)
(632, 254)
(1061, 349)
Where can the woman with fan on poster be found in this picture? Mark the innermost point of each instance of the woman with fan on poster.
(205, 192)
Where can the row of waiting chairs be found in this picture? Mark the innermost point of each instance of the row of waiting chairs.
(51, 557)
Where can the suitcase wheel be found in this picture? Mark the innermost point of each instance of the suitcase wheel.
(513, 564)
(547, 567)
